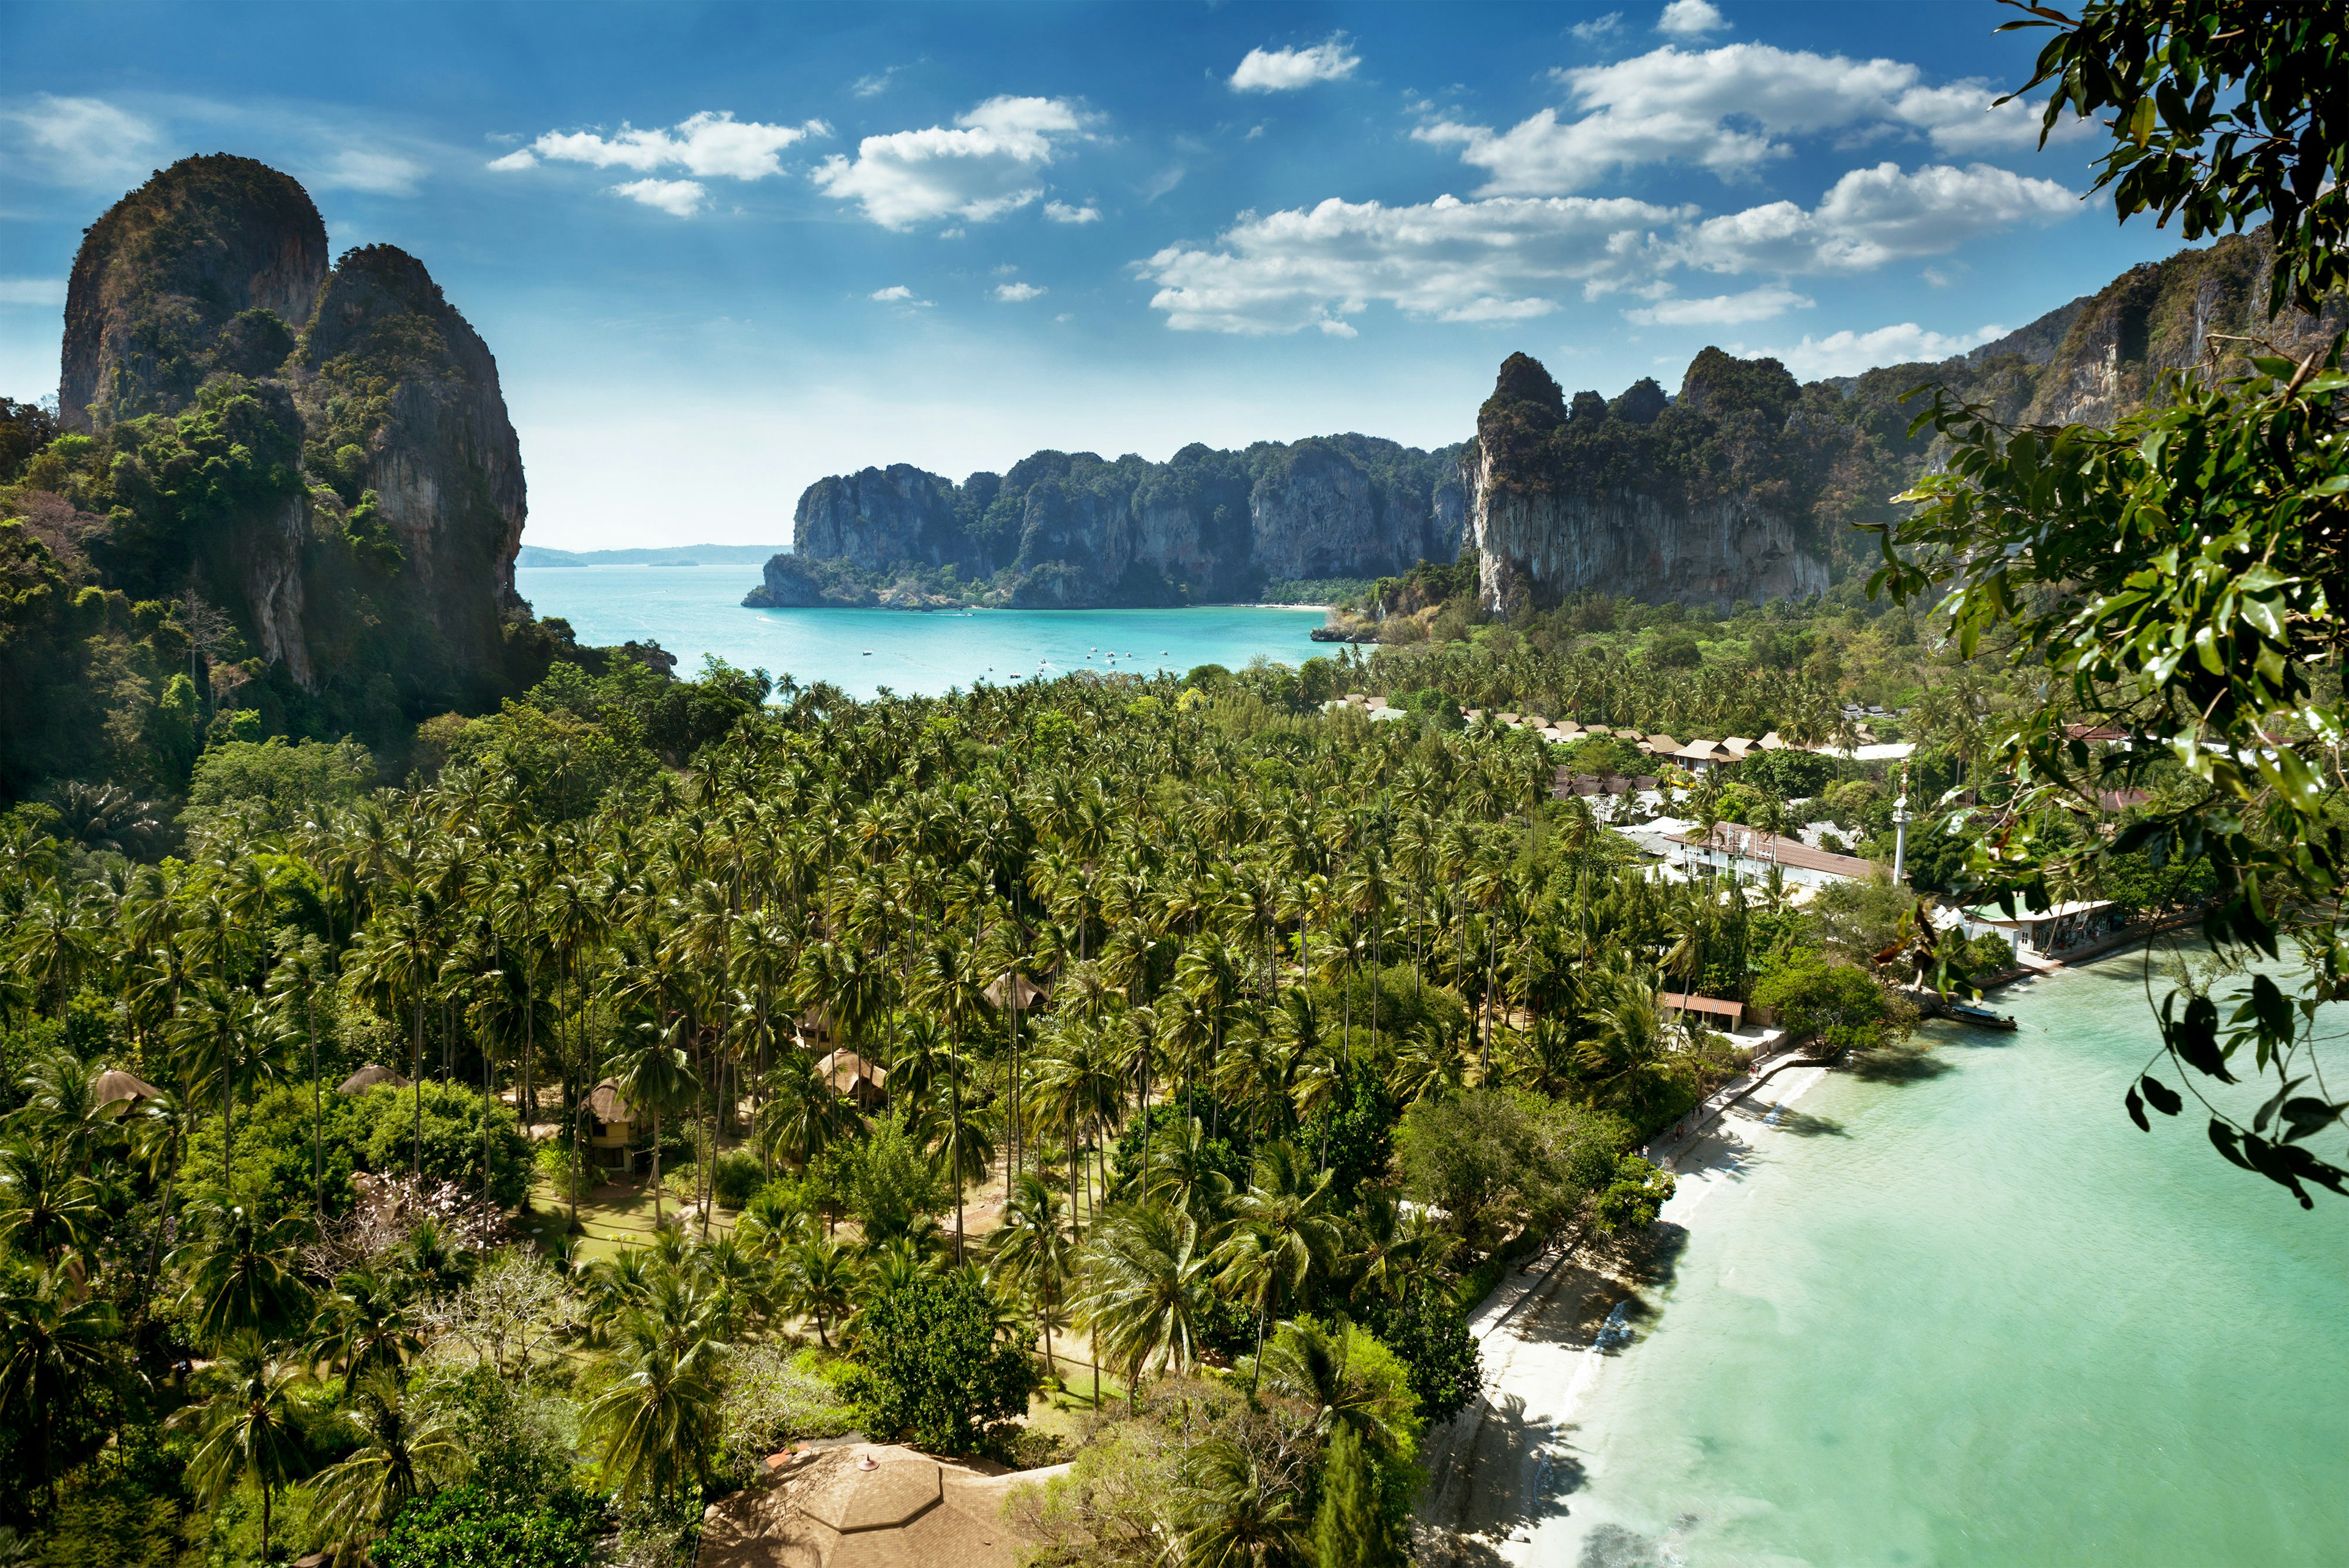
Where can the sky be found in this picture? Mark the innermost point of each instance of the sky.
(723, 251)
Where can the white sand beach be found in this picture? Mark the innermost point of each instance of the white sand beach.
(1500, 1468)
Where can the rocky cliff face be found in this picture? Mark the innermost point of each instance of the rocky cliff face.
(2162, 316)
(162, 284)
(1063, 530)
(389, 367)
(1705, 499)
(385, 506)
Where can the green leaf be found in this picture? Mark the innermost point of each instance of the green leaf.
(2136, 1110)
(2164, 1098)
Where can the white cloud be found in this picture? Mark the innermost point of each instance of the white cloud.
(1499, 260)
(31, 291)
(1015, 293)
(895, 291)
(1848, 353)
(1721, 108)
(1689, 19)
(520, 159)
(1966, 117)
(709, 144)
(1061, 213)
(874, 85)
(84, 141)
(1599, 27)
(983, 168)
(1720, 310)
(1872, 217)
(1284, 70)
(382, 173)
(679, 198)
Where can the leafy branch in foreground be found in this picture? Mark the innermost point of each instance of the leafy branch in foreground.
(2179, 578)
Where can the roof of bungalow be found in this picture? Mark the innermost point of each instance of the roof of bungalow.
(1011, 990)
(368, 1077)
(117, 1085)
(1990, 915)
(1755, 844)
(844, 1067)
(603, 1103)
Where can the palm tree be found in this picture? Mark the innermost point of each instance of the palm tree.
(250, 1431)
(1241, 1512)
(1282, 1233)
(56, 1347)
(821, 1279)
(1146, 1290)
(240, 1273)
(46, 1208)
(658, 1419)
(1628, 1063)
(364, 1324)
(656, 1077)
(294, 985)
(1035, 1253)
(402, 1450)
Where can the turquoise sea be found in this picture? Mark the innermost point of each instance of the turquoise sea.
(1970, 1315)
(696, 610)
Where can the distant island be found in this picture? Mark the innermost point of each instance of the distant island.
(535, 556)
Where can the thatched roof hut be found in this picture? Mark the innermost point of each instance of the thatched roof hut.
(368, 1077)
(603, 1103)
(117, 1085)
(1013, 989)
(855, 1079)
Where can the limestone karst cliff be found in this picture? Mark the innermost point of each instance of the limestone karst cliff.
(362, 495)
(1066, 530)
(1705, 498)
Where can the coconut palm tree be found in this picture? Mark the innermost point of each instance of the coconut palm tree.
(655, 1076)
(240, 1275)
(251, 1431)
(404, 1449)
(364, 1324)
(1035, 1253)
(1145, 1291)
(658, 1419)
(57, 1347)
(1282, 1234)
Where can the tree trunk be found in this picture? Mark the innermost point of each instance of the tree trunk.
(657, 1179)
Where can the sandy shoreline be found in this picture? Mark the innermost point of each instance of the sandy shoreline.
(1502, 1468)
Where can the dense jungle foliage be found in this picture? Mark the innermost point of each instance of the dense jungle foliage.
(1322, 1021)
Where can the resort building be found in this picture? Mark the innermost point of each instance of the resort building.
(2043, 933)
(1751, 852)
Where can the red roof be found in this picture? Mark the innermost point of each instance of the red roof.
(1756, 845)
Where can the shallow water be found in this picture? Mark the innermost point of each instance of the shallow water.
(1968, 1315)
(696, 610)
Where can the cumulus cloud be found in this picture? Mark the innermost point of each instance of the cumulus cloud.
(893, 293)
(1872, 217)
(1848, 353)
(1285, 71)
(708, 145)
(1721, 108)
(1015, 293)
(1730, 110)
(1966, 117)
(1061, 213)
(679, 198)
(1722, 310)
(521, 158)
(1498, 260)
(83, 140)
(31, 291)
(1689, 19)
(984, 166)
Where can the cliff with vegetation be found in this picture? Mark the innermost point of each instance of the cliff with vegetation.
(279, 497)
(1061, 530)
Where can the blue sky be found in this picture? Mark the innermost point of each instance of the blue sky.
(722, 251)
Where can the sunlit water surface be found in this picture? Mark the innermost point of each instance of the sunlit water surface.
(696, 610)
(1974, 1316)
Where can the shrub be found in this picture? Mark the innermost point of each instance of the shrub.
(935, 1370)
(466, 1528)
(452, 1143)
(736, 1178)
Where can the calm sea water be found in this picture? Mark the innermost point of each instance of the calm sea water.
(698, 610)
(1975, 1317)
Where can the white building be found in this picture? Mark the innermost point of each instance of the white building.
(1750, 852)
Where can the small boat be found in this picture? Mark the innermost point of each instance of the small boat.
(867, 654)
(1981, 1017)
